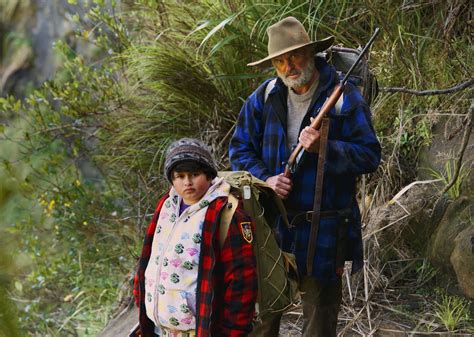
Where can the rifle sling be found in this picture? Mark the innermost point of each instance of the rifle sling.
(323, 140)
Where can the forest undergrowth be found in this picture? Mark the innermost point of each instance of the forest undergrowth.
(82, 154)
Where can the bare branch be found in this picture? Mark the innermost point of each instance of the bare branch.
(455, 88)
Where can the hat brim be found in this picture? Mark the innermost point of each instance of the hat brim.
(201, 163)
(319, 46)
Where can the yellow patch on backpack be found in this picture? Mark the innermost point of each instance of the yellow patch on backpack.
(246, 229)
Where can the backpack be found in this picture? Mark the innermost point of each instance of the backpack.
(342, 59)
(276, 270)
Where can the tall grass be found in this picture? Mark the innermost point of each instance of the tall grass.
(186, 72)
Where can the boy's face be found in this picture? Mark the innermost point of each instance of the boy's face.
(191, 186)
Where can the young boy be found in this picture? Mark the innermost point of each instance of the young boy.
(188, 282)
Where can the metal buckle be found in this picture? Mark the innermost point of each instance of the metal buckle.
(309, 216)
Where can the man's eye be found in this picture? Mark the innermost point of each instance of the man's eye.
(295, 57)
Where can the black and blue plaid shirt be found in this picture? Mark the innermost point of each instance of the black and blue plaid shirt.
(259, 145)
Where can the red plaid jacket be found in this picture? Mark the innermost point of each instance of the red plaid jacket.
(227, 280)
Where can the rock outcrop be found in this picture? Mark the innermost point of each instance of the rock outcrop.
(441, 244)
(462, 259)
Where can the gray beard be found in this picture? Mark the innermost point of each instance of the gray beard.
(304, 79)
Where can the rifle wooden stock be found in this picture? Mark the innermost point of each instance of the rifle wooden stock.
(315, 124)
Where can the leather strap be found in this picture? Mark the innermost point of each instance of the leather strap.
(307, 216)
(226, 217)
(323, 141)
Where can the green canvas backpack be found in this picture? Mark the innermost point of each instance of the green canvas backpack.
(276, 270)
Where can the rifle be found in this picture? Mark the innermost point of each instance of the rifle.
(292, 164)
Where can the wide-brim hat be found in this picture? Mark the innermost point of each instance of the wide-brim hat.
(287, 35)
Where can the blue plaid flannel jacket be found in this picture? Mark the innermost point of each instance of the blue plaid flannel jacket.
(259, 145)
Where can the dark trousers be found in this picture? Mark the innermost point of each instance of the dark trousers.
(321, 304)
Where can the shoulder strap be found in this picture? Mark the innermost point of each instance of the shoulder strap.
(226, 217)
(269, 88)
(318, 191)
(338, 105)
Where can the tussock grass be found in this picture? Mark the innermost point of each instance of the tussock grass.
(452, 311)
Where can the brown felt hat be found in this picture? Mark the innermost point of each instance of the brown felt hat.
(287, 35)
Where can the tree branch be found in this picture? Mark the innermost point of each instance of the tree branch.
(457, 87)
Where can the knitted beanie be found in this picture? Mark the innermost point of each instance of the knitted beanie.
(188, 149)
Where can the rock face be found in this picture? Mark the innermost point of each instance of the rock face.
(441, 243)
(462, 259)
(28, 34)
(406, 224)
(450, 247)
(414, 227)
(447, 136)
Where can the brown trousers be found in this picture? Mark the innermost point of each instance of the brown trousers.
(321, 304)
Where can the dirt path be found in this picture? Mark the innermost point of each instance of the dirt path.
(120, 325)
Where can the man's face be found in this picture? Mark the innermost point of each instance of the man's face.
(191, 186)
(295, 68)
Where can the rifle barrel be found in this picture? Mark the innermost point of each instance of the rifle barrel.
(361, 55)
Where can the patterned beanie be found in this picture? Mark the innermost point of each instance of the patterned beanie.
(188, 149)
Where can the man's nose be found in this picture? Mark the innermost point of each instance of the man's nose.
(288, 65)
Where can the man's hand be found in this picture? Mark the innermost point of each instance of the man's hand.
(309, 139)
(281, 185)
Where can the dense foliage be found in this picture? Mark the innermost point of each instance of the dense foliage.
(85, 149)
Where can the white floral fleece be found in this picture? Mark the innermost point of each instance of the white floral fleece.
(171, 274)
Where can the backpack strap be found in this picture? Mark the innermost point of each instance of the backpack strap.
(226, 217)
(269, 88)
(338, 105)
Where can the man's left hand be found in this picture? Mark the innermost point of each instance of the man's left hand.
(309, 139)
